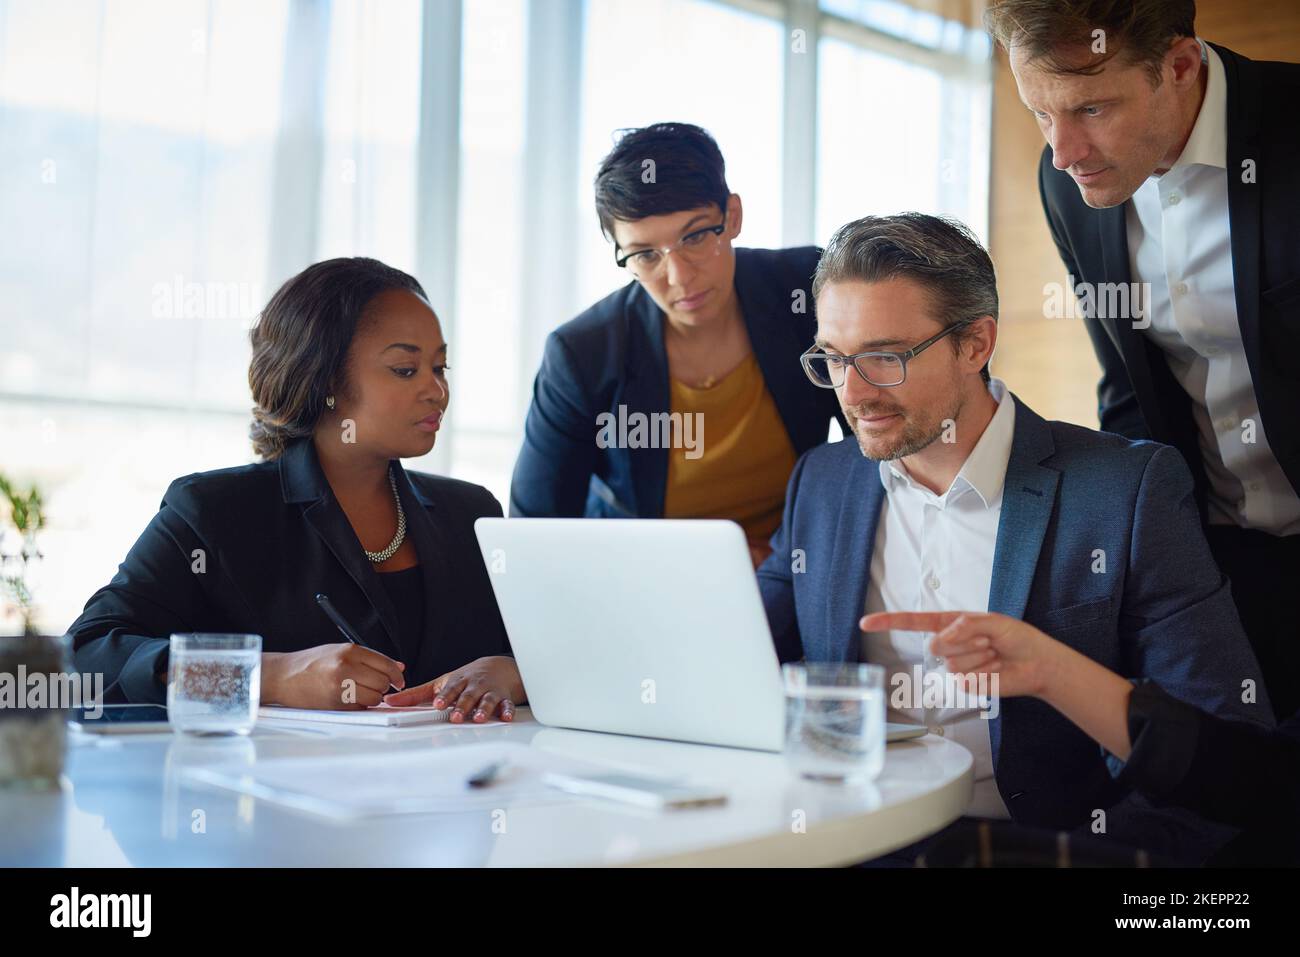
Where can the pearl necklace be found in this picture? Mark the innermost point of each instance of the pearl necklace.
(396, 543)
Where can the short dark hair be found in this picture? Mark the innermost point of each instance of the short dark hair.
(940, 254)
(1140, 29)
(658, 169)
(300, 345)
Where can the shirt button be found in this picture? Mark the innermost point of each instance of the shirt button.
(1180, 289)
(1254, 486)
(1174, 199)
(932, 582)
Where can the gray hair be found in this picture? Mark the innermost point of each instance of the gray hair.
(940, 254)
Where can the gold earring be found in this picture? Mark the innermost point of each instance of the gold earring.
(329, 401)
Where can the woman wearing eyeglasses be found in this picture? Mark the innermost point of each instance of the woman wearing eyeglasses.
(681, 394)
(349, 376)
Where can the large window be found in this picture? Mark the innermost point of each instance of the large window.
(170, 162)
(880, 151)
(370, 125)
(139, 145)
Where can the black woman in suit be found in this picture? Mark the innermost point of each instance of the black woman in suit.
(349, 377)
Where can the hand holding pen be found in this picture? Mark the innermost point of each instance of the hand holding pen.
(339, 676)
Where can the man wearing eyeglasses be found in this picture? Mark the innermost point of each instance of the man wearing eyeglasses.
(679, 395)
(958, 496)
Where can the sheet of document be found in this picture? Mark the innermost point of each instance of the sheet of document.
(364, 785)
(381, 714)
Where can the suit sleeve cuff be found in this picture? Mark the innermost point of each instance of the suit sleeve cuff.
(138, 676)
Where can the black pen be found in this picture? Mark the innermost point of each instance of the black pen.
(342, 625)
(486, 776)
(340, 622)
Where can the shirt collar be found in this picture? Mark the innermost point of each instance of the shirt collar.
(1208, 144)
(985, 469)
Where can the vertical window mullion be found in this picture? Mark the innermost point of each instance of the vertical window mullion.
(300, 143)
(799, 125)
(438, 173)
(552, 125)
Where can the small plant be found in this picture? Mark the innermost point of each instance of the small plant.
(26, 517)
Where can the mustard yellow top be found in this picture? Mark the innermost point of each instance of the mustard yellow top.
(742, 456)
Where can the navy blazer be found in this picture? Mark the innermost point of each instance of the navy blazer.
(1138, 395)
(246, 549)
(1160, 610)
(613, 355)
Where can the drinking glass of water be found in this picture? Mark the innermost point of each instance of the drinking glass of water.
(214, 683)
(835, 720)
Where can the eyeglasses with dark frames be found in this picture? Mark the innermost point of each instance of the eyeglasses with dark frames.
(694, 246)
(882, 369)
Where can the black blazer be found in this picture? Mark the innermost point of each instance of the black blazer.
(1228, 771)
(246, 549)
(613, 355)
(1138, 396)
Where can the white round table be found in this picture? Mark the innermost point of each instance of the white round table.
(130, 800)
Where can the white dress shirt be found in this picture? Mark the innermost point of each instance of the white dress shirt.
(935, 553)
(1179, 243)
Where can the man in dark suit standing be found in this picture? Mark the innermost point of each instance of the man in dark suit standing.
(1172, 188)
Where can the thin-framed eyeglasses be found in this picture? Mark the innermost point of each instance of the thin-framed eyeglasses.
(695, 246)
(883, 369)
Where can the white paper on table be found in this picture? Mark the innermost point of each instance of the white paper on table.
(367, 785)
(381, 715)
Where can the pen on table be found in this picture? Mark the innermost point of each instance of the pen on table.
(342, 625)
(486, 776)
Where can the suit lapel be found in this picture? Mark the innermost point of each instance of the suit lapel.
(1137, 352)
(1028, 500)
(774, 343)
(646, 391)
(1112, 236)
(1244, 98)
(302, 481)
(855, 537)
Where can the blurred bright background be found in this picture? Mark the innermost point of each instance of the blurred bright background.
(168, 163)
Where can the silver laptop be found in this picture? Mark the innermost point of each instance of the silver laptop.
(651, 627)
